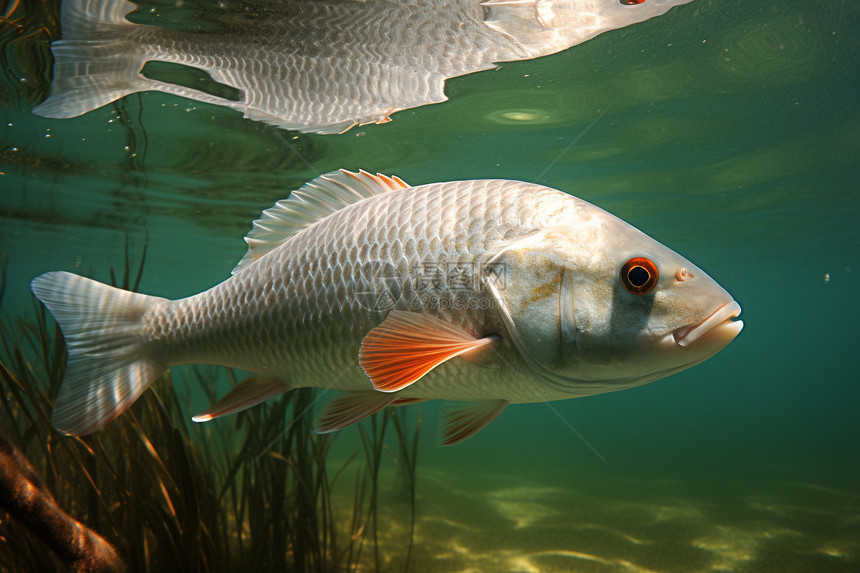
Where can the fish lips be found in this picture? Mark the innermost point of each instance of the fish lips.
(718, 327)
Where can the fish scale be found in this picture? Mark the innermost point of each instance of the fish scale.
(496, 292)
(302, 350)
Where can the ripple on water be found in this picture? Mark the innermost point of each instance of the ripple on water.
(772, 52)
(520, 116)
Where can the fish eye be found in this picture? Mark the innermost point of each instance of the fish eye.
(632, 2)
(639, 275)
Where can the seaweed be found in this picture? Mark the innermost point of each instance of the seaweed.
(255, 491)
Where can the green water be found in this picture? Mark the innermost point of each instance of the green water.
(727, 130)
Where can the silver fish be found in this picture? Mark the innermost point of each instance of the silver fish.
(321, 66)
(489, 291)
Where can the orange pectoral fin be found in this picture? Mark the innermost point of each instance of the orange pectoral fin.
(408, 345)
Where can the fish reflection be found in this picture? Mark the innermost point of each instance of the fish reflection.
(321, 66)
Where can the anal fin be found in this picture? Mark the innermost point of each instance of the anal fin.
(246, 394)
(462, 421)
(408, 401)
(349, 408)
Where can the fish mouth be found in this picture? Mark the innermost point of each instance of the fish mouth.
(718, 322)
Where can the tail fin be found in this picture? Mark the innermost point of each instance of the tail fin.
(95, 62)
(108, 368)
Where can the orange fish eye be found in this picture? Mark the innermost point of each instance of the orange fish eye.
(639, 275)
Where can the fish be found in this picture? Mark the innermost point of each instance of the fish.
(481, 293)
(319, 66)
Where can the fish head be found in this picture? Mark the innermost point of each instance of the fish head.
(595, 305)
(547, 26)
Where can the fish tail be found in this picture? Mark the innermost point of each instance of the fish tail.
(95, 62)
(109, 365)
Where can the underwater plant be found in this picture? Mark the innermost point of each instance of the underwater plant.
(257, 491)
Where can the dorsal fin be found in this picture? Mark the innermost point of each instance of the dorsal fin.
(313, 201)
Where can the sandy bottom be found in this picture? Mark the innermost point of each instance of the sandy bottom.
(477, 523)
